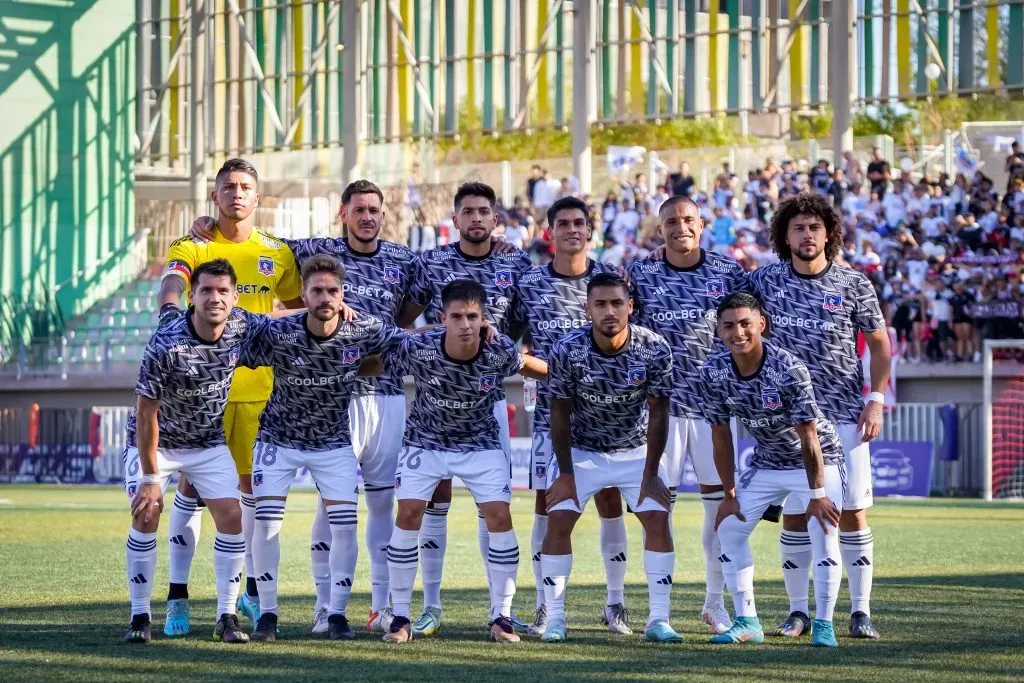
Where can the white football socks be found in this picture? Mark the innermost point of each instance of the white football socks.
(658, 566)
(556, 569)
(248, 502)
(402, 560)
(228, 557)
(319, 555)
(613, 552)
(433, 539)
(184, 525)
(795, 548)
(343, 555)
(140, 566)
(828, 572)
(380, 522)
(858, 551)
(714, 579)
(503, 563)
(266, 547)
(540, 529)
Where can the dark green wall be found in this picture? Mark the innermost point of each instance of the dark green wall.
(67, 128)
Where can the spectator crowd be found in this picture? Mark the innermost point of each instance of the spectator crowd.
(945, 254)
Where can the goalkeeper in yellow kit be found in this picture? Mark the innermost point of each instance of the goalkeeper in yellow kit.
(266, 270)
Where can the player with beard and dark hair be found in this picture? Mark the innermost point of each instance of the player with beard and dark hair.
(817, 307)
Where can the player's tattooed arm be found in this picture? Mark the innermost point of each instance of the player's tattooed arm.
(725, 458)
(148, 502)
(820, 508)
(564, 486)
(171, 289)
(657, 437)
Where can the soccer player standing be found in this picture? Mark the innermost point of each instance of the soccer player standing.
(797, 455)
(817, 307)
(178, 425)
(677, 297)
(609, 385)
(473, 257)
(552, 300)
(452, 432)
(266, 269)
(315, 357)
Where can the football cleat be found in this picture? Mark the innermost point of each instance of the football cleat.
(661, 632)
(823, 635)
(861, 626)
(249, 606)
(503, 631)
(338, 628)
(717, 618)
(795, 625)
(554, 632)
(518, 623)
(228, 630)
(540, 620)
(744, 630)
(266, 629)
(428, 624)
(140, 630)
(320, 621)
(177, 623)
(616, 618)
(400, 631)
(380, 620)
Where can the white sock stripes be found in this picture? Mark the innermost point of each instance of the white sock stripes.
(613, 552)
(858, 552)
(556, 569)
(380, 522)
(540, 529)
(184, 524)
(402, 560)
(503, 563)
(140, 566)
(658, 566)
(433, 540)
(248, 524)
(827, 571)
(319, 555)
(266, 546)
(228, 557)
(343, 555)
(714, 579)
(795, 549)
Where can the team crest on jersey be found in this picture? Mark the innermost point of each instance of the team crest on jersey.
(392, 274)
(540, 471)
(350, 354)
(716, 288)
(503, 278)
(833, 303)
(266, 266)
(770, 399)
(132, 490)
(636, 376)
(257, 478)
(487, 382)
(233, 359)
(398, 481)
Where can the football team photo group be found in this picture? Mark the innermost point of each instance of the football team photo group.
(277, 356)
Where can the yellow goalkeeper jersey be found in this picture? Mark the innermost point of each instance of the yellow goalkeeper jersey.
(266, 270)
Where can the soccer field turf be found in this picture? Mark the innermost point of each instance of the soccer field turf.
(948, 599)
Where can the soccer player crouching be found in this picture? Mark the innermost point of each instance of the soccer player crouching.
(798, 455)
(609, 386)
(316, 358)
(452, 432)
(178, 425)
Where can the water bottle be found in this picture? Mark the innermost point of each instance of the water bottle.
(529, 394)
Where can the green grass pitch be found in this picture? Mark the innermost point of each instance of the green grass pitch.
(948, 599)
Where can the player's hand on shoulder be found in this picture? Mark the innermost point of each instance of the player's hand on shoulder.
(729, 506)
(654, 488)
(347, 313)
(169, 313)
(203, 228)
(488, 332)
(823, 510)
(499, 245)
(562, 489)
(658, 253)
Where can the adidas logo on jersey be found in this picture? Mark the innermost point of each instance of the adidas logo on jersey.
(193, 371)
(298, 361)
(435, 381)
(587, 379)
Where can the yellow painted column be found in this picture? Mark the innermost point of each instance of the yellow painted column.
(298, 16)
(797, 70)
(713, 55)
(637, 93)
(995, 79)
(174, 89)
(903, 47)
(471, 61)
(221, 44)
(404, 71)
(543, 85)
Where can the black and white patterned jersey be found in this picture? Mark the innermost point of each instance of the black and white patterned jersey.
(681, 305)
(610, 392)
(314, 378)
(817, 319)
(454, 405)
(768, 403)
(498, 273)
(552, 305)
(191, 377)
(375, 284)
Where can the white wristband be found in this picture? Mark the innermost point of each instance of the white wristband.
(817, 493)
(876, 396)
(150, 479)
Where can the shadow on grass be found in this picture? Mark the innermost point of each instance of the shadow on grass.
(84, 641)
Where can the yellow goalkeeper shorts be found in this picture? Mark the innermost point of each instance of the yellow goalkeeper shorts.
(241, 426)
